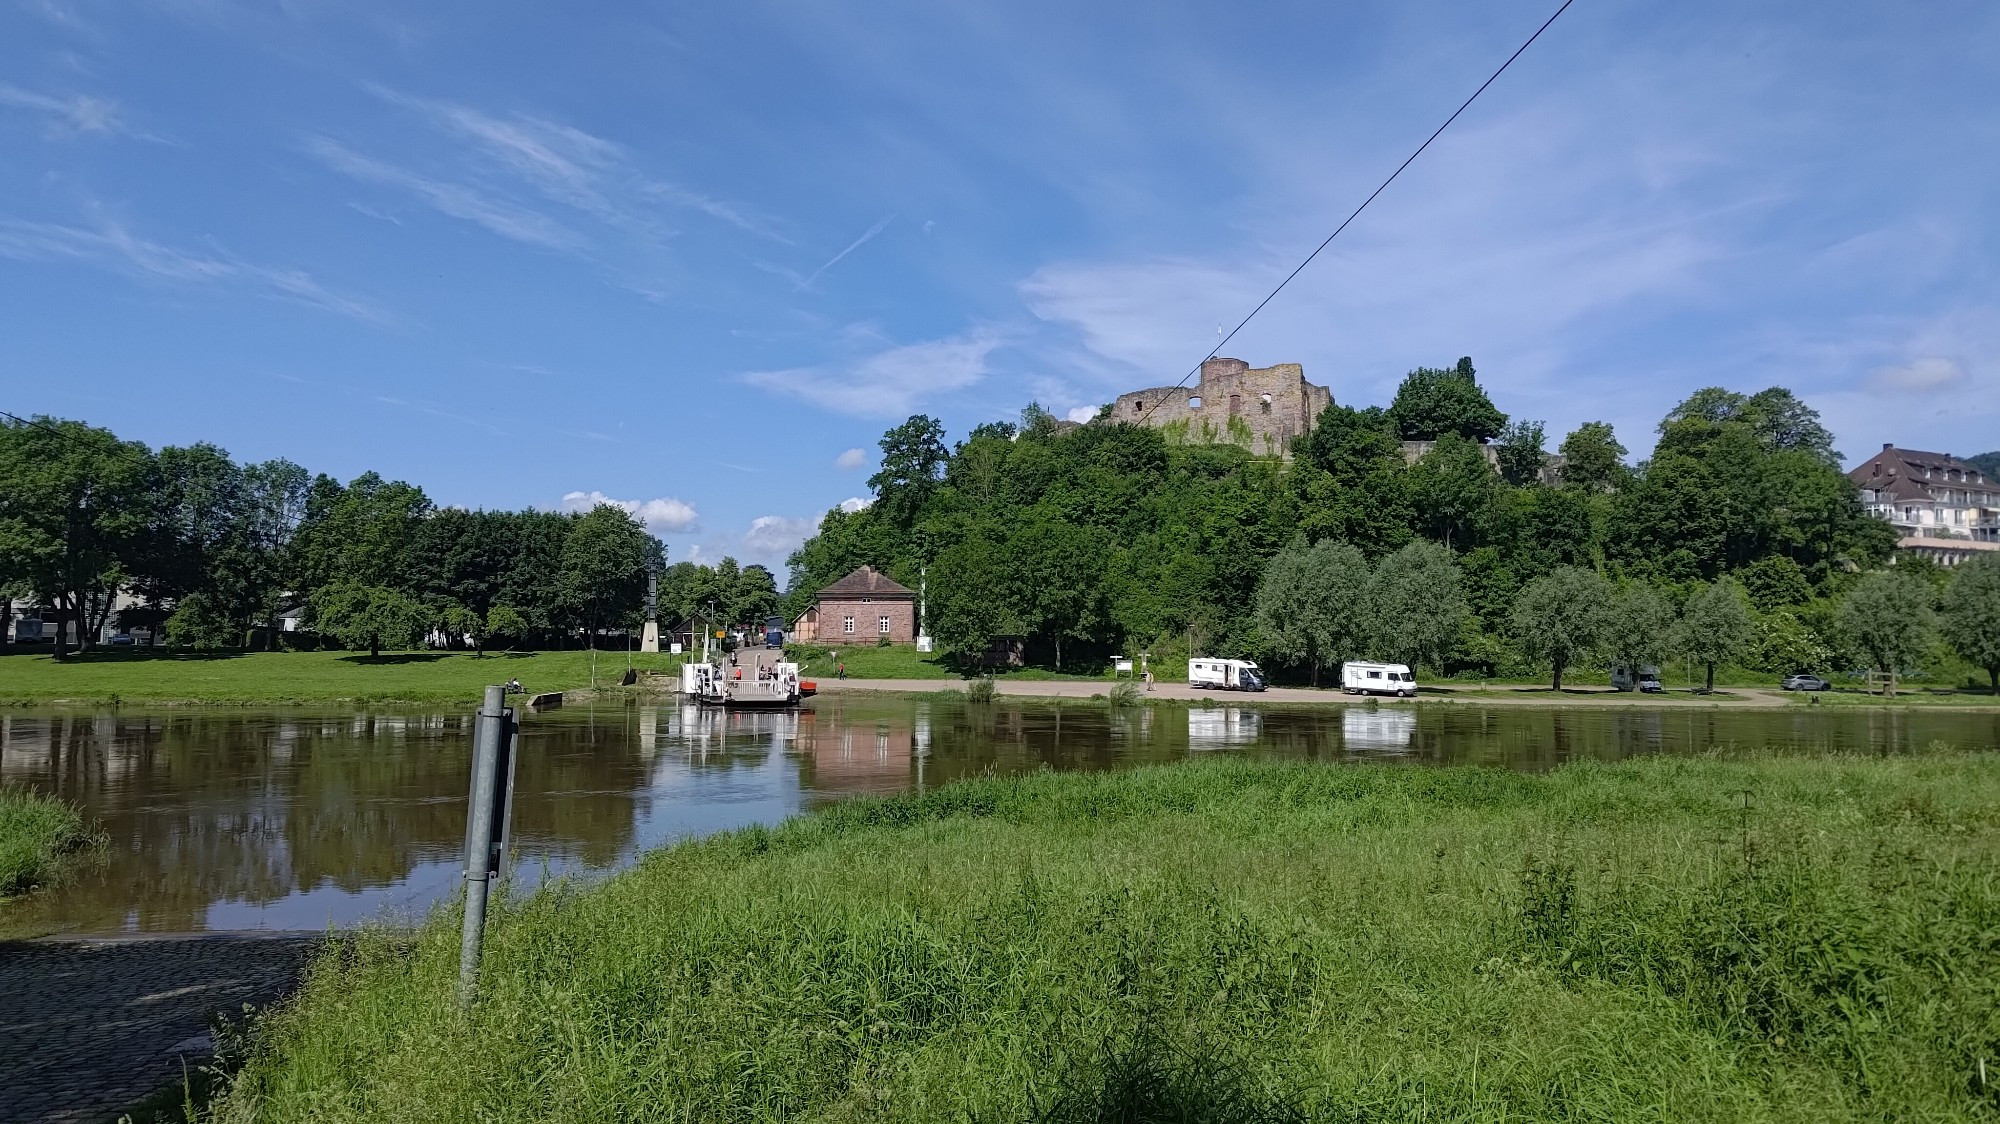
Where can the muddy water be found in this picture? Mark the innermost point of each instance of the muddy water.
(300, 819)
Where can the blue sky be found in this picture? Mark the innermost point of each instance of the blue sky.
(694, 257)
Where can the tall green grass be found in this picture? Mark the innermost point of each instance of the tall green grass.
(1724, 938)
(36, 832)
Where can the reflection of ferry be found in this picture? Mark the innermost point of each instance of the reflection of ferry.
(1222, 726)
(1388, 728)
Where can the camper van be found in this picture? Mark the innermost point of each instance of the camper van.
(1359, 678)
(1646, 682)
(1225, 675)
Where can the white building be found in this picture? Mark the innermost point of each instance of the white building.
(1938, 504)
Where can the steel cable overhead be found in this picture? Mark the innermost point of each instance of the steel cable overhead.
(1224, 341)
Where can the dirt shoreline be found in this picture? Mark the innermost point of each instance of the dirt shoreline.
(1733, 698)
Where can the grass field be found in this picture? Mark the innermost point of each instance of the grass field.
(36, 833)
(1720, 938)
(283, 677)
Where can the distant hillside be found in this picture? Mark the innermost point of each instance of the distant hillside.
(1988, 463)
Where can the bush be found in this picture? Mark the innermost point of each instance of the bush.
(981, 690)
(1126, 693)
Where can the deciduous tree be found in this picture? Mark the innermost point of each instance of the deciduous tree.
(1637, 625)
(1715, 627)
(1434, 401)
(1972, 615)
(1419, 605)
(1559, 619)
(1888, 618)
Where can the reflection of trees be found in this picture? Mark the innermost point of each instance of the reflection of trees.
(207, 807)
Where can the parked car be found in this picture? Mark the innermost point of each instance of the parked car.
(123, 640)
(1359, 677)
(1805, 683)
(1649, 684)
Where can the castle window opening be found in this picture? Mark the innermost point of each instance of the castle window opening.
(1194, 402)
(1235, 404)
(1138, 407)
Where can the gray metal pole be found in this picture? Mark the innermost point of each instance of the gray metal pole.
(487, 731)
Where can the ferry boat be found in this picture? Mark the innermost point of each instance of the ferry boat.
(752, 682)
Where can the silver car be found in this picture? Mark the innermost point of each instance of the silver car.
(1805, 683)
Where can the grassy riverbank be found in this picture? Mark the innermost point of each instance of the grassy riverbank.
(36, 833)
(301, 677)
(1666, 939)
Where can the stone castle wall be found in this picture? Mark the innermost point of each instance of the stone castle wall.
(1259, 408)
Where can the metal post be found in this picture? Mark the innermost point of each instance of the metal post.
(480, 831)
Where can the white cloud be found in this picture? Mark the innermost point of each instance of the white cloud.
(76, 113)
(659, 515)
(853, 504)
(1083, 414)
(110, 246)
(890, 382)
(1921, 376)
(850, 460)
(777, 536)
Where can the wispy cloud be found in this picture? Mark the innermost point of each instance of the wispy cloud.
(457, 200)
(889, 382)
(110, 246)
(506, 156)
(850, 460)
(73, 113)
(881, 225)
(659, 515)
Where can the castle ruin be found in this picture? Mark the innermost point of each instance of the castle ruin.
(1259, 408)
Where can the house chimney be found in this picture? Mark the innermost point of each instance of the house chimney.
(1888, 445)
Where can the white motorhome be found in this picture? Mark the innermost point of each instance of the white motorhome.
(1361, 678)
(1225, 675)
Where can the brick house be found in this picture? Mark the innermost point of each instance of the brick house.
(861, 608)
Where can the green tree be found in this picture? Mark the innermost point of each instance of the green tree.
(1888, 619)
(1559, 619)
(1520, 453)
(1715, 627)
(913, 463)
(602, 578)
(365, 616)
(1452, 489)
(1434, 401)
(1350, 482)
(1775, 582)
(1593, 460)
(505, 621)
(1312, 603)
(1972, 615)
(1783, 643)
(75, 514)
(1988, 463)
(1638, 623)
(1419, 604)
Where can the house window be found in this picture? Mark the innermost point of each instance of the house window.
(885, 625)
(847, 625)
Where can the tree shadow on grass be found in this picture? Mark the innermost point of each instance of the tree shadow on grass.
(390, 659)
(145, 655)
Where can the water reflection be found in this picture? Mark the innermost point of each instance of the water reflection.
(300, 819)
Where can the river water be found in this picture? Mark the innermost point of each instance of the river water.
(302, 819)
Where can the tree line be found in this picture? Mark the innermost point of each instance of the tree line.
(1739, 540)
(216, 551)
